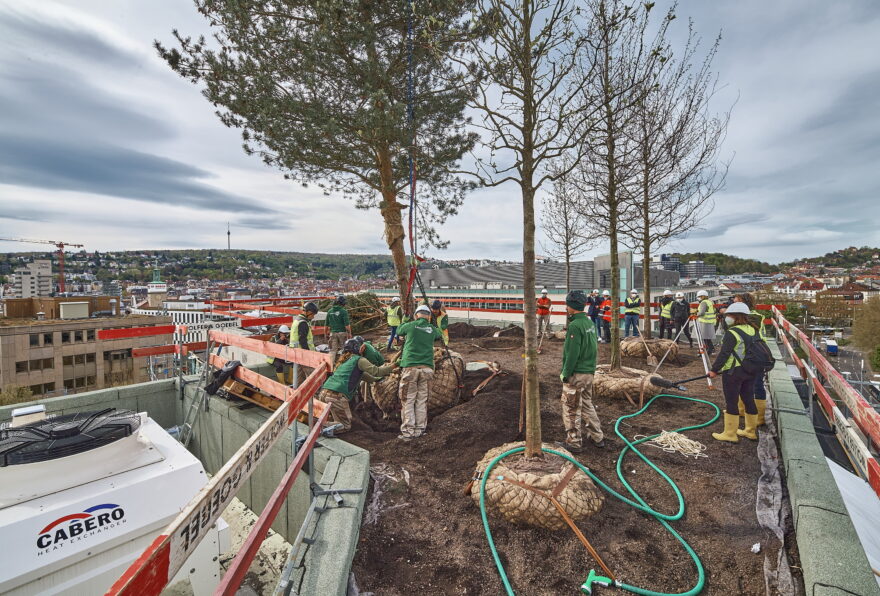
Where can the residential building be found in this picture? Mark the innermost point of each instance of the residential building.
(56, 357)
(34, 279)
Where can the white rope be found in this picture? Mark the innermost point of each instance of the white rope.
(673, 442)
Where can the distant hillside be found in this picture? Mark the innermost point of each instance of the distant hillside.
(177, 265)
(847, 257)
(727, 264)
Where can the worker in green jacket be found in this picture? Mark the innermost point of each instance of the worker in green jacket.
(370, 352)
(339, 323)
(440, 320)
(417, 362)
(578, 366)
(352, 368)
(394, 317)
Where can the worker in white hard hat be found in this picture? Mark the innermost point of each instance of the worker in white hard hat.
(666, 314)
(417, 371)
(593, 302)
(394, 316)
(681, 313)
(283, 368)
(606, 308)
(632, 308)
(706, 319)
(544, 304)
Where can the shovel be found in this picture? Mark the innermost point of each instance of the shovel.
(651, 360)
(661, 382)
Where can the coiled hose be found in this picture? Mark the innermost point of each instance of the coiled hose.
(636, 502)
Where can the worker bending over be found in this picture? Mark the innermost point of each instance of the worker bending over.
(736, 381)
(394, 316)
(666, 314)
(417, 362)
(681, 312)
(351, 368)
(578, 366)
(605, 312)
(544, 304)
(339, 322)
(706, 318)
(440, 320)
(632, 307)
(283, 368)
(301, 334)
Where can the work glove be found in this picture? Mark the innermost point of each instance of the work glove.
(563, 379)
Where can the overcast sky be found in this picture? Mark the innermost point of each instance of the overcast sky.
(101, 144)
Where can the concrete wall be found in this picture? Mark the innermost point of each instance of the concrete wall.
(832, 558)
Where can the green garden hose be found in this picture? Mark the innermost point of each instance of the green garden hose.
(638, 503)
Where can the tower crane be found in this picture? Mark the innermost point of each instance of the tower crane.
(59, 245)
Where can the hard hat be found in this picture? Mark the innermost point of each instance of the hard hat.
(576, 299)
(679, 295)
(738, 308)
(595, 292)
(311, 307)
(667, 292)
(423, 309)
(436, 305)
(353, 345)
(340, 299)
(702, 294)
(284, 329)
(544, 291)
(395, 299)
(633, 291)
(606, 293)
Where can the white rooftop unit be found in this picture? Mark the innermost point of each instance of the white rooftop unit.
(74, 310)
(82, 495)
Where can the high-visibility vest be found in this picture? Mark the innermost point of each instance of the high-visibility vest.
(294, 333)
(392, 314)
(439, 324)
(709, 316)
(605, 308)
(740, 348)
(632, 306)
(666, 310)
(544, 306)
(274, 340)
(761, 326)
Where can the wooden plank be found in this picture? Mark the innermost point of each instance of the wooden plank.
(129, 332)
(168, 349)
(298, 355)
(265, 321)
(242, 391)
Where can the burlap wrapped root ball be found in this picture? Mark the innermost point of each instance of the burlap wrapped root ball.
(444, 386)
(580, 498)
(625, 382)
(635, 347)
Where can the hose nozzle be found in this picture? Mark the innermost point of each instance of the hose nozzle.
(594, 578)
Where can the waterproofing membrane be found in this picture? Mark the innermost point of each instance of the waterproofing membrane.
(864, 510)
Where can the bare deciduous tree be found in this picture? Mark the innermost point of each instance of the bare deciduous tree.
(563, 223)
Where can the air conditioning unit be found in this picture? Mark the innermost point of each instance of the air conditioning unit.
(82, 495)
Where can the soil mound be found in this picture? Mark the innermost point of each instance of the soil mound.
(468, 331)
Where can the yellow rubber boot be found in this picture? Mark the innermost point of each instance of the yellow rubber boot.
(751, 429)
(742, 407)
(762, 408)
(280, 377)
(288, 376)
(731, 423)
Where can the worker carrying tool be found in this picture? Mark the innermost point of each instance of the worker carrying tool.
(681, 312)
(593, 304)
(339, 322)
(578, 367)
(742, 356)
(666, 314)
(283, 368)
(394, 317)
(351, 368)
(440, 320)
(544, 304)
(706, 319)
(301, 334)
(632, 308)
(417, 362)
(605, 313)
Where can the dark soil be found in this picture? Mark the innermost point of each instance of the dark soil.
(466, 330)
(436, 544)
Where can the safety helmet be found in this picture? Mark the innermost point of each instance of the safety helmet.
(679, 295)
(544, 291)
(738, 308)
(284, 329)
(395, 299)
(667, 292)
(702, 294)
(353, 345)
(595, 292)
(311, 307)
(340, 299)
(436, 305)
(606, 293)
(423, 309)
(633, 291)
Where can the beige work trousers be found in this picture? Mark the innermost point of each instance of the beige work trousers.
(340, 411)
(578, 410)
(337, 340)
(415, 386)
(543, 324)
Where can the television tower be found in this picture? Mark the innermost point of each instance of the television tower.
(228, 237)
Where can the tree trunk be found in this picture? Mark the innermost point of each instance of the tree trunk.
(612, 220)
(567, 272)
(646, 252)
(394, 234)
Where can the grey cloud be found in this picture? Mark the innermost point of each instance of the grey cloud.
(720, 222)
(114, 171)
(265, 222)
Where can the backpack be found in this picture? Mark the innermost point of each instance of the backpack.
(757, 359)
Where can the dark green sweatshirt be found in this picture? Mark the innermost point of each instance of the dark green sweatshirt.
(580, 349)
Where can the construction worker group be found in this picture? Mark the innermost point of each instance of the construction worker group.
(741, 360)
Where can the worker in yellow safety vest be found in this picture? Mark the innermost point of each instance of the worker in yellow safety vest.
(394, 317)
(301, 333)
(666, 314)
(440, 320)
(706, 319)
(632, 308)
(283, 370)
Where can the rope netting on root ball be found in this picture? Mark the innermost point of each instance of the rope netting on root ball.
(631, 383)
(445, 390)
(639, 348)
(550, 476)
